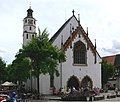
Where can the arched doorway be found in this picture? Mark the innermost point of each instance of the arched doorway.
(87, 82)
(73, 82)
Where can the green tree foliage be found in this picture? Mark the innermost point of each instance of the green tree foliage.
(19, 70)
(44, 56)
(3, 71)
(108, 71)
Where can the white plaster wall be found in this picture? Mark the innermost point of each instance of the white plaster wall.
(27, 28)
(45, 84)
(92, 70)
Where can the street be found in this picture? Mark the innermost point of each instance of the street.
(106, 100)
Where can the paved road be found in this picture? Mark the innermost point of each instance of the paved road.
(106, 100)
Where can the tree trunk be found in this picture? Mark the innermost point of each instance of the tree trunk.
(38, 88)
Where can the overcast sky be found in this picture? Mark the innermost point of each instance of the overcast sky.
(102, 17)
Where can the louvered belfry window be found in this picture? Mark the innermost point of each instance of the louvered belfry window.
(79, 53)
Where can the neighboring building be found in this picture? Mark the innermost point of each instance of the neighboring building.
(83, 63)
(114, 60)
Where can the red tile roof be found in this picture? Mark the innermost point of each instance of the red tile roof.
(110, 59)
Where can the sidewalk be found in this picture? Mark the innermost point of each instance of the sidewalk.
(45, 98)
(50, 97)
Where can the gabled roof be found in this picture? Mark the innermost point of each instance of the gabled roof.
(110, 59)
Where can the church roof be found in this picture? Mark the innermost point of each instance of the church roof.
(78, 30)
(61, 28)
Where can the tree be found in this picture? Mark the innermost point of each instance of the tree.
(19, 70)
(2, 70)
(44, 56)
(108, 71)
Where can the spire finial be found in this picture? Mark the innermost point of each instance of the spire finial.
(95, 43)
(79, 19)
(30, 6)
(87, 31)
(73, 11)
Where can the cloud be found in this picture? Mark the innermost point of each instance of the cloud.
(114, 49)
(2, 50)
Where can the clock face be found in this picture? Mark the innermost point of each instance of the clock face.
(30, 21)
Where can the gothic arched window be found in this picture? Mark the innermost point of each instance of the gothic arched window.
(79, 53)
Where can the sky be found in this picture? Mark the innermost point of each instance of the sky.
(102, 17)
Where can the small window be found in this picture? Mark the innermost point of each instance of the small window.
(30, 28)
(26, 21)
(33, 36)
(26, 36)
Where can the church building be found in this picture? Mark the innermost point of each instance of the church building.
(83, 63)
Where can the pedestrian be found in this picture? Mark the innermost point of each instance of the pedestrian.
(54, 90)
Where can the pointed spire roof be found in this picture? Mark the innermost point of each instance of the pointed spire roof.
(29, 12)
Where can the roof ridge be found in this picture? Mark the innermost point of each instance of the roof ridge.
(61, 28)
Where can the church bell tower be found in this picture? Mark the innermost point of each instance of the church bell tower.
(29, 27)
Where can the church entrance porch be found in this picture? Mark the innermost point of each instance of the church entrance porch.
(87, 82)
(73, 82)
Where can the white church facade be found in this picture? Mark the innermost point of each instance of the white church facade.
(83, 63)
